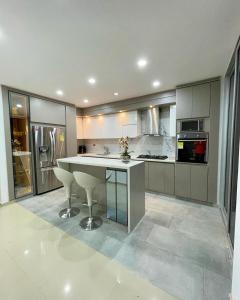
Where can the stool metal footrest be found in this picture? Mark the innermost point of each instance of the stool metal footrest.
(69, 212)
(90, 223)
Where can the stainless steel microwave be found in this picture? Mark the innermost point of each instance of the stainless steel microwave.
(195, 125)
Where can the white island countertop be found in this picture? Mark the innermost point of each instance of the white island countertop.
(100, 162)
(133, 157)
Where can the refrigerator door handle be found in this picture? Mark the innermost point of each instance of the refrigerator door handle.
(51, 140)
(54, 147)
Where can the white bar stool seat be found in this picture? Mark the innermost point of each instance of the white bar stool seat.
(67, 180)
(88, 183)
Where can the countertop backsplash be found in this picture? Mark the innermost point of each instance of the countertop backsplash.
(157, 145)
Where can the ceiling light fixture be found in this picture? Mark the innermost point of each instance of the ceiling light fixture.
(156, 83)
(115, 94)
(151, 106)
(92, 80)
(85, 100)
(19, 105)
(142, 63)
(59, 92)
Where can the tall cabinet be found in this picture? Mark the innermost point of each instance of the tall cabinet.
(193, 101)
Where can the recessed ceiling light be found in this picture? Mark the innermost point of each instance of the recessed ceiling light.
(59, 92)
(156, 83)
(85, 100)
(115, 94)
(19, 105)
(142, 63)
(151, 106)
(99, 114)
(92, 80)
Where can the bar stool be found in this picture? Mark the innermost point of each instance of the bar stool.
(67, 180)
(88, 183)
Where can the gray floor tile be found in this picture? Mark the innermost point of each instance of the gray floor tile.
(179, 246)
(179, 277)
(216, 287)
(202, 253)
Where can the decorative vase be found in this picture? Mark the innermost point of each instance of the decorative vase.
(125, 158)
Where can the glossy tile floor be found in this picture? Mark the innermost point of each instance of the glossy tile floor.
(38, 261)
(180, 247)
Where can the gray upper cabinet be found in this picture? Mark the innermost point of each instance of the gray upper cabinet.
(184, 102)
(71, 131)
(193, 101)
(182, 180)
(199, 183)
(161, 177)
(43, 111)
(201, 100)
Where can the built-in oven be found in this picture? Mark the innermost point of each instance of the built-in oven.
(193, 125)
(192, 147)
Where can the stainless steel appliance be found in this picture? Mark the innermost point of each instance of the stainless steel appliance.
(49, 145)
(149, 156)
(192, 147)
(194, 125)
(150, 121)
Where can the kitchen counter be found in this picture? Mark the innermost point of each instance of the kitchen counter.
(99, 162)
(133, 157)
(128, 176)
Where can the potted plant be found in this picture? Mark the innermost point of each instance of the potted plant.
(124, 145)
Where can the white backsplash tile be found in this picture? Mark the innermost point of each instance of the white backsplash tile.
(161, 145)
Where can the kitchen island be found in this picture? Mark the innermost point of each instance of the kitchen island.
(123, 193)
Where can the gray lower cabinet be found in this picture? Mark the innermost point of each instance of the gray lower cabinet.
(161, 177)
(191, 181)
(182, 180)
(199, 183)
(146, 175)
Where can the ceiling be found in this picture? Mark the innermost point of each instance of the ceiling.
(58, 44)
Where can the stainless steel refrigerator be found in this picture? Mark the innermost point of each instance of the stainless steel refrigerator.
(49, 145)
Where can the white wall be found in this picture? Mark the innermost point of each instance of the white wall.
(4, 192)
(236, 258)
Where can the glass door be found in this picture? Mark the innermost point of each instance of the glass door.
(235, 156)
(230, 127)
(232, 147)
(21, 151)
(117, 196)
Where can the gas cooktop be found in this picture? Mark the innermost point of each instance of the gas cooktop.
(152, 156)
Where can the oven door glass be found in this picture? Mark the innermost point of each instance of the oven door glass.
(194, 151)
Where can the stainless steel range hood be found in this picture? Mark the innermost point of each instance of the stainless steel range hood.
(150, 121)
